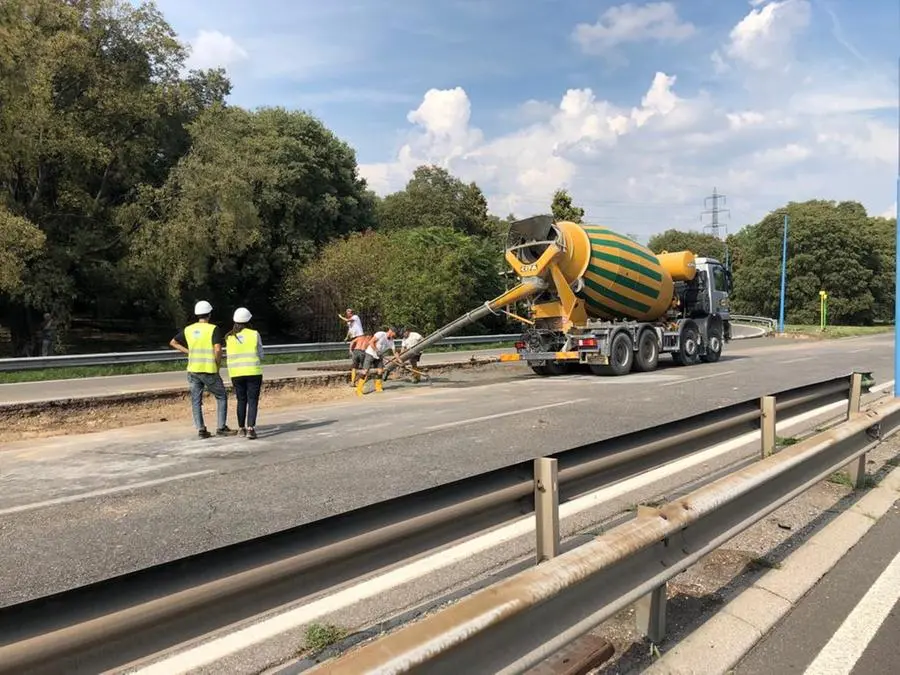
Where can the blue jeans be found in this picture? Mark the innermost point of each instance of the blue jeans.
(211, 382)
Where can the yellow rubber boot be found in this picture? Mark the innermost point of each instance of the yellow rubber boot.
(352, 376)
(359, 386)
(379, 386)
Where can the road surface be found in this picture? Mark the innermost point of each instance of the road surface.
(111, 502)
(111, 385)
(849, 623)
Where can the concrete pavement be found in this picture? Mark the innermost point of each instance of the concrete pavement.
(849, 623)
(112, 502)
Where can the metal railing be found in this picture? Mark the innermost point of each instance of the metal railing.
(113, 358)
(768, 325)
(513, 625)
(145, 612)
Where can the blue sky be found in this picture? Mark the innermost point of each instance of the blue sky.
(638, 108)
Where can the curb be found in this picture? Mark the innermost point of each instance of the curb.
(725, 638)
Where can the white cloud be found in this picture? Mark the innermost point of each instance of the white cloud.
(632, 23)
(762, 138)
(764, 38)
(891, 212)
(212, 49)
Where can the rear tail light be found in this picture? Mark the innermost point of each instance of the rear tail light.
(588, 342)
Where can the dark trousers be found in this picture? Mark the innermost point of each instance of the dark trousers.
(246, 390)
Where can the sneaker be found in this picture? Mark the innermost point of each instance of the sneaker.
(224, 431)
(203, 433)
(251, 433)
(243, 431)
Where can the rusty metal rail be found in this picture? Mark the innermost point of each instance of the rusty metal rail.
(116, 621)
(515, 624)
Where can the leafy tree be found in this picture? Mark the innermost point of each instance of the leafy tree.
(435, 198)
(20, 242)
(699, 243)
(422, 277)
(256, 193)
(563, 209)
(828, 248)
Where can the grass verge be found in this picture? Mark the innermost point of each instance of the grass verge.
(71, 373)
(832, 332)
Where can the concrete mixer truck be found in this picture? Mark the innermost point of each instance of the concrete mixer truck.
(600, 300)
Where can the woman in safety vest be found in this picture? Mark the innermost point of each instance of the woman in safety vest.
(244, 352)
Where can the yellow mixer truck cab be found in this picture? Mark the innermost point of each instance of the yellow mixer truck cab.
(600, 300)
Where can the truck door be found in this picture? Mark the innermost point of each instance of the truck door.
(719, 291)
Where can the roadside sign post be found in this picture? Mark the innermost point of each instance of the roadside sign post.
(823, 310)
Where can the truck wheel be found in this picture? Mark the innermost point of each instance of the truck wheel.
(713, 346)
(540, 370)
(646, 358)
(687, 353)
(621, 355)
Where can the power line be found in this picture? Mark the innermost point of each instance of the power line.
(714, 212)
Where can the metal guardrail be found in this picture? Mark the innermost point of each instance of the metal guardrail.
(113, 358)
(768, 325)
(514, 624)
(145, 612)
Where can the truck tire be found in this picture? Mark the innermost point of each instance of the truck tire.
(713, 344)
(621, 356)
(687, 354)
(646, 358)
(540, 370)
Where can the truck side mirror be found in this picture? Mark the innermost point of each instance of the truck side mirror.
(728, 280)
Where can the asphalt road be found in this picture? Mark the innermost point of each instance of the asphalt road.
(849, 622)
(79, 508)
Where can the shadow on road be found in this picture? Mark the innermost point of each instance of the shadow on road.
(290, 427)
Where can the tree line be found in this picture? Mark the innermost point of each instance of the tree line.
(130, 189)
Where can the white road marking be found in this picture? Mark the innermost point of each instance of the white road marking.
(503, 414)
(857, 351)
(697, 379)
(840, 654)
(803, 358)
(231, 643)
(102, 493)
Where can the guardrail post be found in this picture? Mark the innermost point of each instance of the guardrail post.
(650, 614)
(546, 508)
(767, 424)
(857, 468)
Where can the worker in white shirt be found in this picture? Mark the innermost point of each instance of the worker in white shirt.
(411, 339)
(376, 346)
(354, 324)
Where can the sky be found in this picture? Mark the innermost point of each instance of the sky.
(639, 109)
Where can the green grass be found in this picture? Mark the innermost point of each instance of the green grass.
(319, 636)
(837, 331)
(70, 373)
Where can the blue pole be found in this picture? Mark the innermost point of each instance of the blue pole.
(897, 259)
(783, 274)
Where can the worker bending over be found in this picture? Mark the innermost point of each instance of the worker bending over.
(376, 346)
(244, 348)
(410, 340)
(202, 342)
(357, 355)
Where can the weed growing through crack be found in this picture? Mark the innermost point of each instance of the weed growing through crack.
(319, 636)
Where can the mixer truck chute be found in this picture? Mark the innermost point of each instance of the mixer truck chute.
(602, 300)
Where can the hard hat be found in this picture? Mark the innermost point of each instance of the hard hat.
(202, 307)
(242, 315)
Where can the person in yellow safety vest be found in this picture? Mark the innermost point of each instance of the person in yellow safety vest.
(244, 352)
(202, 342)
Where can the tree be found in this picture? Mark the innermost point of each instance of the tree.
(563, 209)
(92, 102)
(699, 243)
(435, 198)
(256, 193)
(830, 248)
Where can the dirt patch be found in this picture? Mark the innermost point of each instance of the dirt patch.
(78, 416)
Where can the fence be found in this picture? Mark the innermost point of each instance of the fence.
(148, 611)
(118, 358)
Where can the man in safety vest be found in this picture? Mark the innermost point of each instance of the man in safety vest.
(244, 352)
(202, 342)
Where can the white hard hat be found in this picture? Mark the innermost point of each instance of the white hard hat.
(242, 315)
(202, 307)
